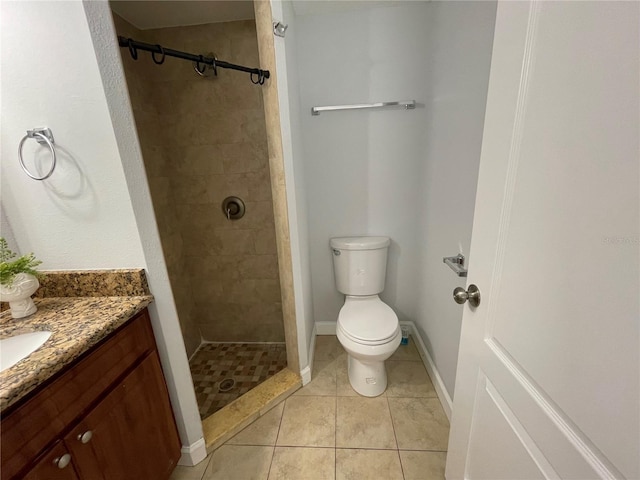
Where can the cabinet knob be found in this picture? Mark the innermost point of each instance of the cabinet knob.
(86, 436)
(62, 461)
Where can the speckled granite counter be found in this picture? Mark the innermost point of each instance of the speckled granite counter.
(77, 322)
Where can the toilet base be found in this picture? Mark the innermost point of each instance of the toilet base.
(368, 378)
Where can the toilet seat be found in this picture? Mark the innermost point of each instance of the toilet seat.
(368, 320)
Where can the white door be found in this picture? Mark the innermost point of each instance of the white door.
(549, 368)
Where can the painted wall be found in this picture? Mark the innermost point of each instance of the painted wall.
(460, 43)
(410, 175)
(81, 217)
(290, 121)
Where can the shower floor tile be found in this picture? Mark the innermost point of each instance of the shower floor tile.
(248, 364)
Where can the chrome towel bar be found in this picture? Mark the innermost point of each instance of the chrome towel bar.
(407, 104)
(456, 264)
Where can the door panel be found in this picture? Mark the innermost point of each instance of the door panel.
(499, 448)
(46, 467)
(555, 249)
(138, 410)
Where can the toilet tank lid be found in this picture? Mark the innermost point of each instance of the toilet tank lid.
(359, 243)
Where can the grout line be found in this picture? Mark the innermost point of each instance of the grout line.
(306, 446)
(275, 443)
(335, 435)
(395, 436)
(204, 472)
(374, 449)
(418, 450)
(335, 428)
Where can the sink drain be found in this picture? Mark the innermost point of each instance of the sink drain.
(226, 385)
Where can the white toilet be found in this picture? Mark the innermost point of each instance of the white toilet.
(367, 328)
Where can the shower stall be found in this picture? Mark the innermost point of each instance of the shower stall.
(201, 128)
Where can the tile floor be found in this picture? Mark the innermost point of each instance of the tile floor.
(248, 364)
(327, 431)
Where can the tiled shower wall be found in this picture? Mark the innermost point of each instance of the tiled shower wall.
(203, 140)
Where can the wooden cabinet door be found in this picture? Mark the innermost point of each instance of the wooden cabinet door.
(133, 433)
(47, 466)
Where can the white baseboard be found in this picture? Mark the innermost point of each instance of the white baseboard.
(193, 454)
(443, 395)
(329, 328)
(305, 373)
(325, 328)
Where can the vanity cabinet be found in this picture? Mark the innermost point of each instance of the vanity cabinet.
(52, 465)
(107, 416)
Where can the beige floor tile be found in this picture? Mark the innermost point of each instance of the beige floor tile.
(239, 462)
(297, 463)
(263, 431)
(408, 379)
(419, 423)
(364, 423)
(190, 473)
(354, 464)
(308, 422)
(327, 347)
(323, 379)
(423, 465)
(406, 353)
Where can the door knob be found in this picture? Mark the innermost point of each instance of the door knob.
(460, 295)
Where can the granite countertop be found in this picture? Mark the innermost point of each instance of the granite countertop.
(77, 324)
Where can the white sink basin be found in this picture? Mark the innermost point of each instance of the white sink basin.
(13, 349)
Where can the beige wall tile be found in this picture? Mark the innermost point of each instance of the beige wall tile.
(244, 157)
(204, 140)
(195, 160)
(259, 267)
(233, 242)
(358, 464)
(265, 241)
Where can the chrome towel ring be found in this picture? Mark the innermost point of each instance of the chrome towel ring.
(43, 136)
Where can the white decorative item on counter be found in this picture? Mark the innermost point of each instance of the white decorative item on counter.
(18, 294)
(18, 280)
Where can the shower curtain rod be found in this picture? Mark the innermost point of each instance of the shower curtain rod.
(134, 46)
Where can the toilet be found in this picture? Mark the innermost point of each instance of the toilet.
(367, 328)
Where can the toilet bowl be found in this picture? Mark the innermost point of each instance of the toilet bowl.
(367, 328)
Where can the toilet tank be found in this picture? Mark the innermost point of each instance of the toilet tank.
(360, 264)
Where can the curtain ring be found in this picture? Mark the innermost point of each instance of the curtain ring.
(215, 67)
(260, 77)
(153, 56)
(196, 66)
(132, 50)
